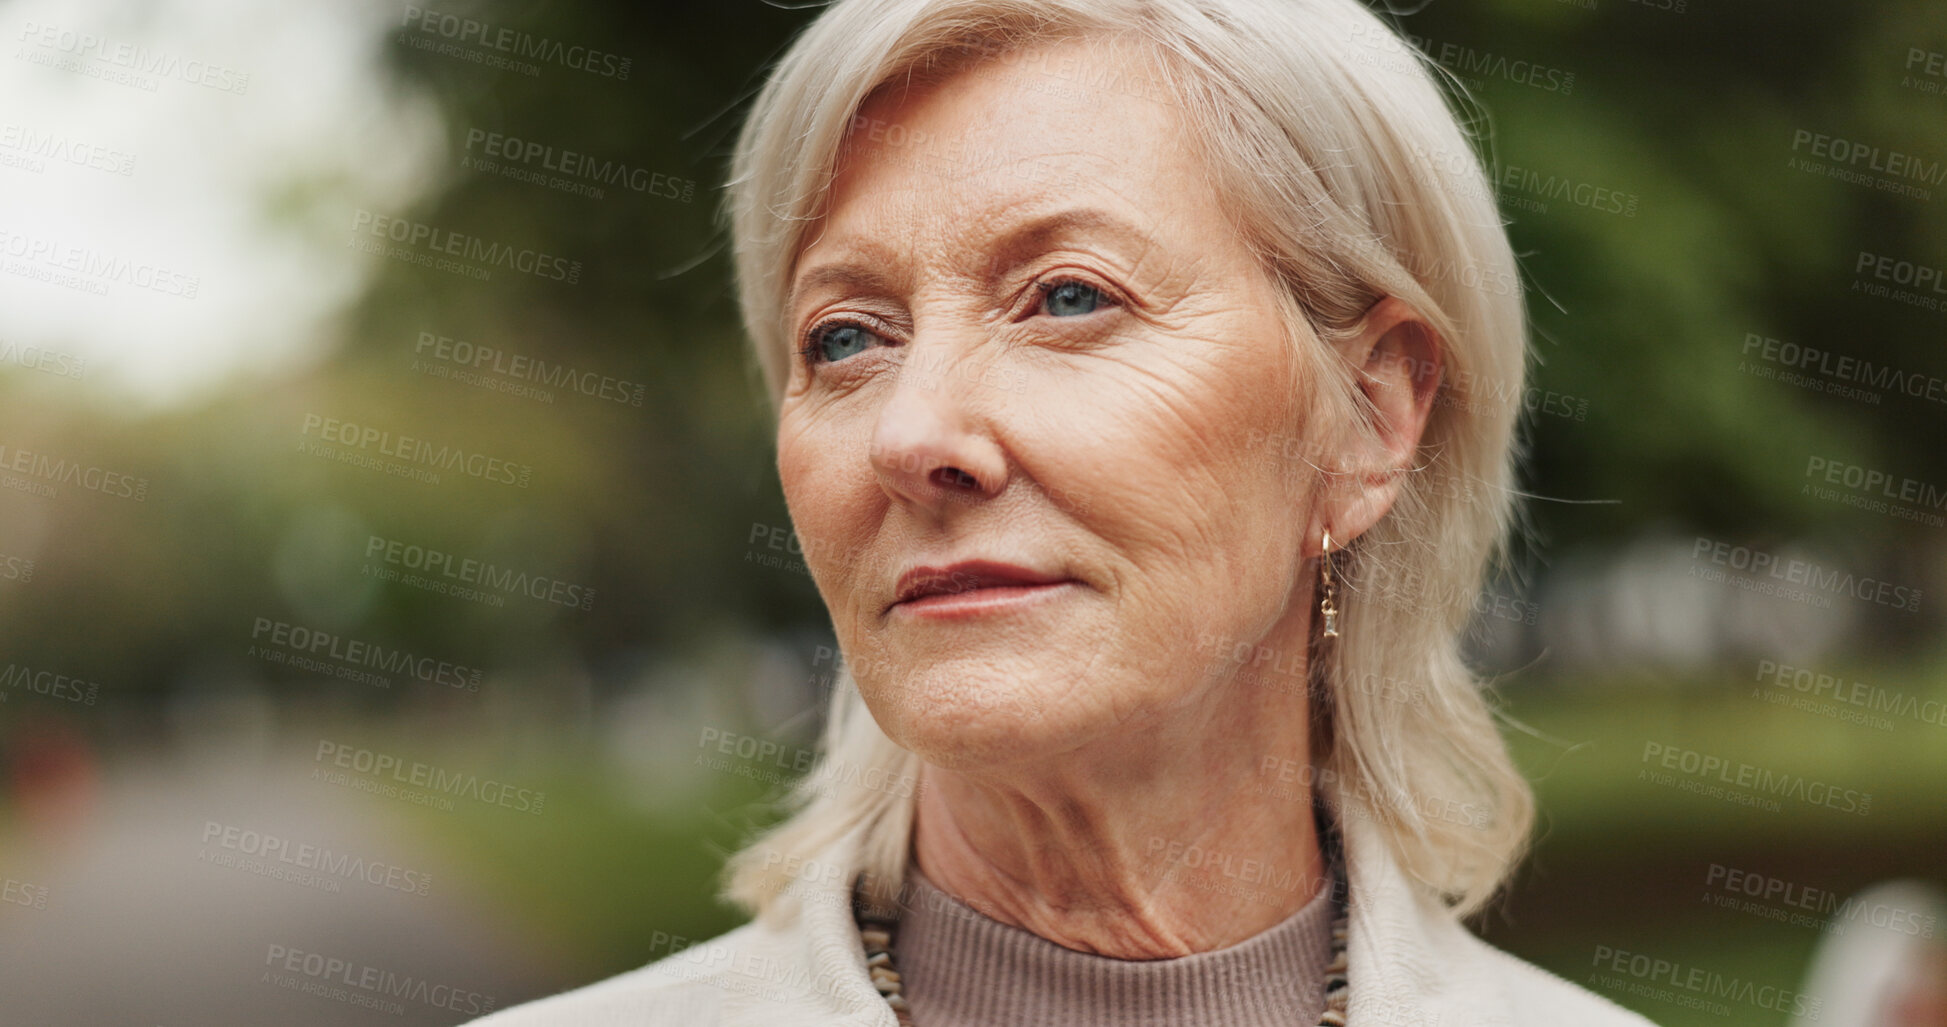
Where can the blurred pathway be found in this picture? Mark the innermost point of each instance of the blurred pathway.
(129, 914)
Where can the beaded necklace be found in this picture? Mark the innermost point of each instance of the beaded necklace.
(877, 933)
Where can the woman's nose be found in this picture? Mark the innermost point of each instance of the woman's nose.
(928, 446)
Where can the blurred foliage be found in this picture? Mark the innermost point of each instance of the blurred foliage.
(1641, 317)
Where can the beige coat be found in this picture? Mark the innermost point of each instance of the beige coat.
(1412, 965)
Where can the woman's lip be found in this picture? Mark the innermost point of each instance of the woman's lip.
(983, 601)
(925, 582)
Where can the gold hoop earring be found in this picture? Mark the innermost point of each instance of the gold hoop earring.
(1328, 589)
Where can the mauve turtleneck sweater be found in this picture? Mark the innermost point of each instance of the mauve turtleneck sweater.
(962, 968)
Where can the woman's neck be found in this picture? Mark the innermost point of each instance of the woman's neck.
(1190, 838)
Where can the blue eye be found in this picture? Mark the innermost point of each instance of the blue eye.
(1071, 298)
(832, 342)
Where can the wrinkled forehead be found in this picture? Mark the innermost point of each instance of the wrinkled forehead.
(998, 139)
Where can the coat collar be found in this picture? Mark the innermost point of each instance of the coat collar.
(1410, 962)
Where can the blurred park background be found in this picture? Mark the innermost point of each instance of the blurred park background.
(220, 524)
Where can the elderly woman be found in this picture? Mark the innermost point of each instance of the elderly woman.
(1146, 375)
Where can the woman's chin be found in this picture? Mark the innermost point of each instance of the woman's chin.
(973, 719)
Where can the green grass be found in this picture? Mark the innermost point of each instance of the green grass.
(1589, 771)
(1625, 862)
(600, 885)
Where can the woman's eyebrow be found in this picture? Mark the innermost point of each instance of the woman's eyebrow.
(1041, 232)
(853, 276)
(856, 271)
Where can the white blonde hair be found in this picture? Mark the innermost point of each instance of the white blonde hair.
(1346, 172)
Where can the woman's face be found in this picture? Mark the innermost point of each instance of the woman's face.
(1035, 340)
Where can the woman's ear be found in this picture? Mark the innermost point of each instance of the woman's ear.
(1400, 361)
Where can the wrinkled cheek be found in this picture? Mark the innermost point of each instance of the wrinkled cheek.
(1294, 480)
(1279, 455)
